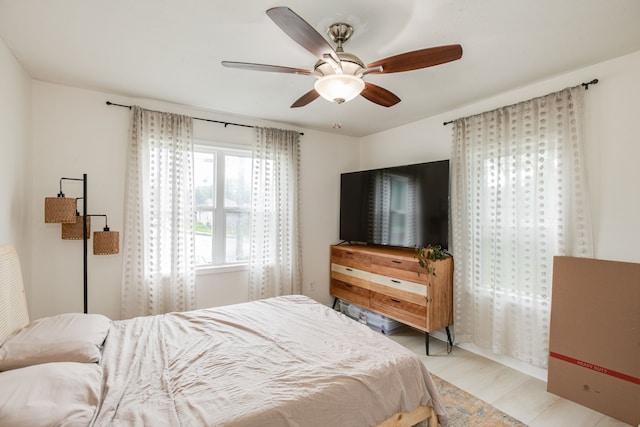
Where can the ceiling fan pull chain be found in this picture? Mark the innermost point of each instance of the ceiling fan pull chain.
(336, 124)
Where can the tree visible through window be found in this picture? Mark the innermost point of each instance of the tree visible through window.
(222, 188)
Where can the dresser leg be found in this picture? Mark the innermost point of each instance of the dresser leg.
(449, 341)
(426, 342)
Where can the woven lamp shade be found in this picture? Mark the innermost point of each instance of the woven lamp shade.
(106, 242)
(59, 210)
(73, 231)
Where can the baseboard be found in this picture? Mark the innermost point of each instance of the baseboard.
(518, 365)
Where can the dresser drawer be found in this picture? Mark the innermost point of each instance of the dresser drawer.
(395, 266)
(406, 312)
(400, 263)
(351, 258)
(419, 289)
(350, 292)
(350, 271)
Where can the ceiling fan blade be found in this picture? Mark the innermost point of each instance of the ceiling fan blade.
(303, 33)
(305, 99)
(264, 67)
(379, 95)
(418, 59)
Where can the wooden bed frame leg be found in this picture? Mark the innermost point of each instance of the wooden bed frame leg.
(433, 420)
(409, 419)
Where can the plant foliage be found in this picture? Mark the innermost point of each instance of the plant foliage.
(427, 254)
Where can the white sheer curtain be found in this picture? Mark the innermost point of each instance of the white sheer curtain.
(159, 261)
(275, 262)
(519, 197)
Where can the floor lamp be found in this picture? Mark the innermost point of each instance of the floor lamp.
(64, 210)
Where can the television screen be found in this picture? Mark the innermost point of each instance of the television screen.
(403, 206)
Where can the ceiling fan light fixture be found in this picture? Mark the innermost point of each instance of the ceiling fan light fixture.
(339, 88)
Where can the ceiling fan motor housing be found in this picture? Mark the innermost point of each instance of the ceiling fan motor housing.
(351, 64)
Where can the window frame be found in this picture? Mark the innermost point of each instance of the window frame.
(220, 150)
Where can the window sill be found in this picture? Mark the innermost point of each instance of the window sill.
(206, 270)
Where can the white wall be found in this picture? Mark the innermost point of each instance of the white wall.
(417, 142)
(322, 162)
(15, 152)
(612, 147)
(74, 132)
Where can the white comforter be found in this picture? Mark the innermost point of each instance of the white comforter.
(286, 361)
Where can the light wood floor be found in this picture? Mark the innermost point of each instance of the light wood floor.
(519, 395)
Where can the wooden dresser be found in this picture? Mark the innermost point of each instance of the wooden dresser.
(389, 281)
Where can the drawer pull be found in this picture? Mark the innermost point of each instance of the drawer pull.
(349, 253)
(395, 281)
(348, 269)
(348, 286)
(395, 261)
(395, 300)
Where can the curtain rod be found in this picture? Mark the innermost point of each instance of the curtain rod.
(586, 87)
(197, 118)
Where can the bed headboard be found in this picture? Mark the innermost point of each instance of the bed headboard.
(13, 302)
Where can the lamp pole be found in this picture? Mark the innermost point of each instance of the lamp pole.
(84, 240)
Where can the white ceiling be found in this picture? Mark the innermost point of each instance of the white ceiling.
(170, 50)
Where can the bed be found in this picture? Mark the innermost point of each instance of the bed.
(284, 361)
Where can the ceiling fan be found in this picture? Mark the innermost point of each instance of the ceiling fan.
(341, 74)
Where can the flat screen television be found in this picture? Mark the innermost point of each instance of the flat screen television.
(403, 206)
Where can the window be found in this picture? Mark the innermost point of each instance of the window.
(222, 193)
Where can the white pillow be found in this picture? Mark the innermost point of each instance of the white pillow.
(71, 337)
(50, 394)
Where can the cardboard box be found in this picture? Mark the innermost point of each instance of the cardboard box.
(594, 343)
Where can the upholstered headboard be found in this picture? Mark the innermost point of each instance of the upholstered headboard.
(13, 302)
